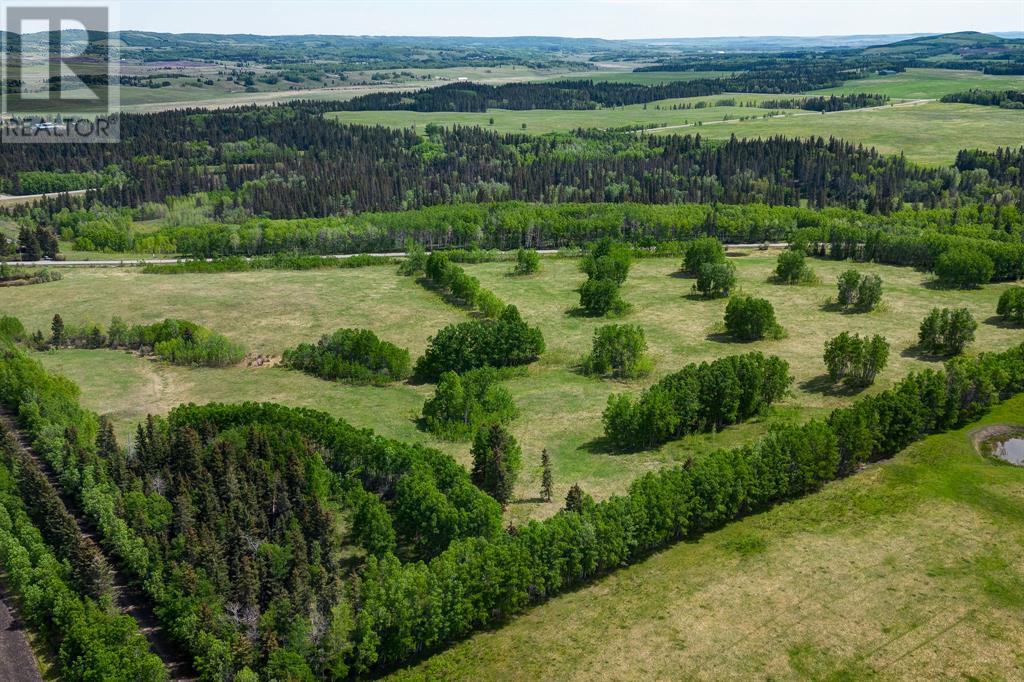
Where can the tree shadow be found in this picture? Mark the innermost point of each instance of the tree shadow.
(915, 352)
(680, 274)
(726, 337)
(823, 385)
(1000, 322)
(601, 445)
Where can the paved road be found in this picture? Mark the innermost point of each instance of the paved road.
(170, 261)
(17, 663)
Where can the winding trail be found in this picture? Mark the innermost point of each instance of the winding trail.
(128, 598)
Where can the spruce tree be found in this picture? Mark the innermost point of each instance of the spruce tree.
(57, 331)
(496, 461)
(547, 482)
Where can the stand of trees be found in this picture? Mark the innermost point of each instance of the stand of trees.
(855, 360)
(704, 397)
(792, 267)
(749, 319)
(179, 342)
(607, 267)
(527, 262)
(1010, 306)
(947, 331)
(503, 342)
(863, 292)
(619, 350)
(1007, 99)
(461, 286)
(961, 268)
(354, 355)
(827, 104)
(463, 404)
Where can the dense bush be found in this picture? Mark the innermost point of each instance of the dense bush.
(702, 397)
(702, 251)
(946, 331)
(11, 329)
(619, 350)
(527, 262)
(505, 342)
(354, 355)
(607, 267)
(464, 403)
(11, 276)
(855, 360)
(1010, 306)
(792, 268)
(748, 319)
(715, 280)
(963, 269)
(461, 286)
(863, 292)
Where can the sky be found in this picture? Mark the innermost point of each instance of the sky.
(573, 18)
(614, 19)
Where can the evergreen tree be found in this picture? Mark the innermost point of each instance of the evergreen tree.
(496, 462)
(57, 337)
(547, 483)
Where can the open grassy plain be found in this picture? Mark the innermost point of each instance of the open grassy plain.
(272, 310)
(912, 569)
(930, 133)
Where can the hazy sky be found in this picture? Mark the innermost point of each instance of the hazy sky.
(593, 18)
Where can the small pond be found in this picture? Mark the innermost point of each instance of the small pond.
(1009, 448)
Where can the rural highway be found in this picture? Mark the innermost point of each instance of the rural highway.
(908, 103)
(17, 662)
(130, 263)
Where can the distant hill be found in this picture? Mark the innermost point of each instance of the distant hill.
(962, 44)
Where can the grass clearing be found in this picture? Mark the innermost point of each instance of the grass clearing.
(930, 133)
(272, 310)
(926, 84)
(912, 569)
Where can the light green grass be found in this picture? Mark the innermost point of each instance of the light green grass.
(560, 409)
(540, 121)
(910, 570)
(929, 133)
(926, 83)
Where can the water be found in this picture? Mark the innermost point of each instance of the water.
(1011, 450)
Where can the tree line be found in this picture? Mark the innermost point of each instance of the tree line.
(827, 104)
(1007, 99)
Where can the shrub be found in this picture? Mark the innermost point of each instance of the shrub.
(608, 259)
(505, 342)
(527, 262)
(461, 286)
(11, 328)
(700, 251)
(963, 268)
(1010, 306)
(354, 355)
(863, 292)
(857, 361)
(715, 280)
(619, 350)
(463, 404)
(791, 267)
(601, 297)
(749, 319)
(946, 331)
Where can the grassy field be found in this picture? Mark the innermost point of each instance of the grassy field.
(912, 569)
(927, 83)
(929, 133)
(272, 310)
(541, 121)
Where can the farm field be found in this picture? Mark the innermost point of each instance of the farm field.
(926, 83)
(911, 569)
(930, 133)
(306, 305)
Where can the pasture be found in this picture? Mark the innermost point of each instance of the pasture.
(912, 569)
(272, 310)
